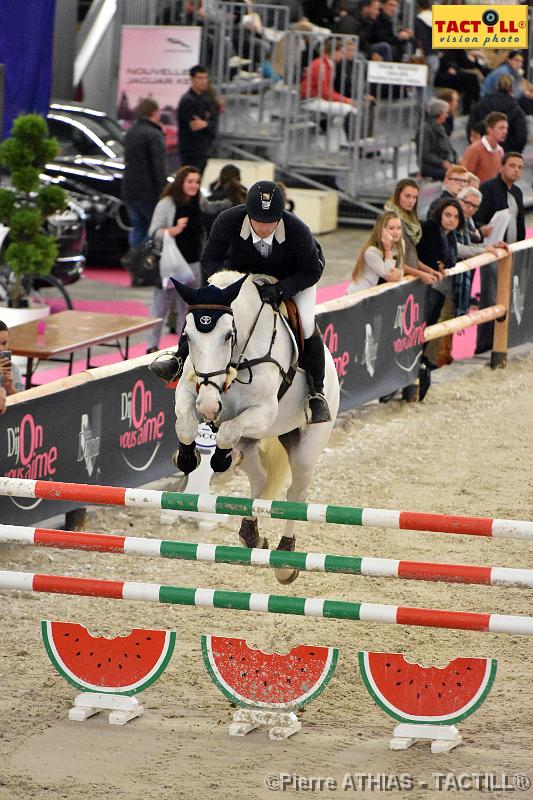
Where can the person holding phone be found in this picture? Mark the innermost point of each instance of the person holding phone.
(10, 377)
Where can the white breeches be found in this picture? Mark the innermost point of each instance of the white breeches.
(306, 302)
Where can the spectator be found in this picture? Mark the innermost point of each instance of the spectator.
(438, 154)
(499, 193)
(10, 377)
(404, 202)
(3, 397)
(477, 131)
(473, 180)
(319, 12)
(345, 71)
(346, 21)
(513, 66)
(456, 178)
(424, 39)
(381, 258)
(365, 16)
(177, 212)
(484, 158)
(452, 98)
(226, 191)
(469, 244)
(438, 249)
(502, 100)
(454, 72)
(197, 120)
(383, 31)
(144, 170)
(317, 87)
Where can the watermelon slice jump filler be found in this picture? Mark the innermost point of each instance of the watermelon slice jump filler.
(427, 701)
(108, 671)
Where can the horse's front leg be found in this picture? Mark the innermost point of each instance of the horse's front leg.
(254, 423)
(187, 457)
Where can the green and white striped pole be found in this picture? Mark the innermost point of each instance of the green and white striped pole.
(276, 509)
(268, 603)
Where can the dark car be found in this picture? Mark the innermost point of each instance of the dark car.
(90, 167)
(69, 229)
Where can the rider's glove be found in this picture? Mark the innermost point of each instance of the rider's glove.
(270, 293)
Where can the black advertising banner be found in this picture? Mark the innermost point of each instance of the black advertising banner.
(521, 312)
(377, 343)
(116, 431)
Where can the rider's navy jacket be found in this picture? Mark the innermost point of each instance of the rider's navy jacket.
(295, 258)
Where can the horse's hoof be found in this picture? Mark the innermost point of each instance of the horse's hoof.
(221, 459)
(249, 535)
(262, 543)
(285, 576)
(186, 461)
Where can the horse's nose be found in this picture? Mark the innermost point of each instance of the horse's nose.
(209, 404)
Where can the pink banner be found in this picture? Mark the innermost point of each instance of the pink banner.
(155, 62)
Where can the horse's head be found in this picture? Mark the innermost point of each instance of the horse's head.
(211, 333)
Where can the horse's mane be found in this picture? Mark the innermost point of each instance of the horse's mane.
(227, 276)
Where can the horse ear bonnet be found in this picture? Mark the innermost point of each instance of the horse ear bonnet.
(206, 318)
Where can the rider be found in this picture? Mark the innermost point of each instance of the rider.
(261, 237)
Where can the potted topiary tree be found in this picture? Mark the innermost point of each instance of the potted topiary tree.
(26, 204)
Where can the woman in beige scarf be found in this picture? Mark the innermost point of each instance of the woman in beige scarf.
(404, 202)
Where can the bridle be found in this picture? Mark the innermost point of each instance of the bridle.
(243, 363)
(206, 376)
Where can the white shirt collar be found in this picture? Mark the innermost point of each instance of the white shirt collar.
(486, 145)
(278, 233)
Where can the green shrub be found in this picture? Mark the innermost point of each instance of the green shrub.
(24, 209)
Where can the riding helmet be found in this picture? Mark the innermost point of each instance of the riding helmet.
(265, 202)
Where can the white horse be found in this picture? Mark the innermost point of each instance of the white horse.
(240, 352)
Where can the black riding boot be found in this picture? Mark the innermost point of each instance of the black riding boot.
(171, 369)
(314, 363)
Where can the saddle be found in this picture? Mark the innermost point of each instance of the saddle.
(289, 310)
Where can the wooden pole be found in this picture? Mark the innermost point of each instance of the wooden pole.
(464, 321)
(501, 326)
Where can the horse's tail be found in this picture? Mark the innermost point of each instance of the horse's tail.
(274, 458)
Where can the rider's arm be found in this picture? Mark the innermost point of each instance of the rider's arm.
(307, 262)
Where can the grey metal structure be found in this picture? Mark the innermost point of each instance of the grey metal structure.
(323, 122)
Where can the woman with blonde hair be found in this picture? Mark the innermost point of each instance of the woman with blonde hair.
(382, 257)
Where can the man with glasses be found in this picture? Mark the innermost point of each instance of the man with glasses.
(455, 179)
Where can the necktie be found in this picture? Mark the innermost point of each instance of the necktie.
(263, 247)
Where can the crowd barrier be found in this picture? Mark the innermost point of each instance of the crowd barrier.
(115, 424)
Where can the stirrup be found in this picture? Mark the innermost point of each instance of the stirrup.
(167, 369)
(317, 409)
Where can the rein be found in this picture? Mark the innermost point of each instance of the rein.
(287, 375)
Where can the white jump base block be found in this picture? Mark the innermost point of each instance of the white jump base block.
(444, 737)
(122, 708)
(281, 724)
